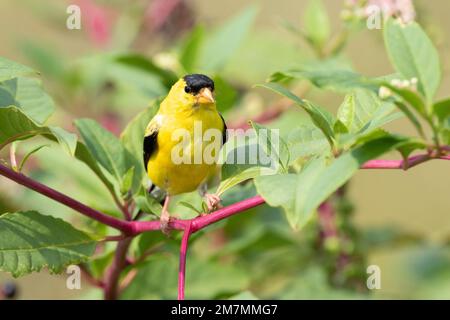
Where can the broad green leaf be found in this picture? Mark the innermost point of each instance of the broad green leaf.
(413, 55)
(411, 145)
(132, 136)
(410, 97)
(27, 94)
(219, 47)
(139, 62)
(442, 109)
(15, 125)
(340, 171)
(305, 141)
(190, 50)
(329, 78)
(225, 94)
(147, 203)
(10, 69)
(316, 23)
(273, 189)
(30, 241)
(317, 180)
(83, 154)
(363, 111)
(105, 148)
(127, 181)
(276, 149)
(323, 119)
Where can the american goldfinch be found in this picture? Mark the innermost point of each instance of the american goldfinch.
(189, 107)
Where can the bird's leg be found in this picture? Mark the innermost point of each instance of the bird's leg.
(165, 217)
(212, 201)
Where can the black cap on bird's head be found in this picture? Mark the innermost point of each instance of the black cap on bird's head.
(200, 86)
(196, 82)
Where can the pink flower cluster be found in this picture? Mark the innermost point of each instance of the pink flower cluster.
(403, 9)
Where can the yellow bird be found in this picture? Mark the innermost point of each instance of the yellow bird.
(177, 132)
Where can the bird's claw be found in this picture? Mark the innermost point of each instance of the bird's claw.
(164, 223)
(212, 202)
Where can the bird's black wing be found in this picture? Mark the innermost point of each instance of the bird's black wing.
(224, 133)
(150, 141)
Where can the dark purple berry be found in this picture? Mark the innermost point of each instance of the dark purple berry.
(9, 290)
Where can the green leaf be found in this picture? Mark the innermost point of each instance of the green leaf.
(323, 119)
(132, 136)
(15, 125)
(413, 55)
(316, 24)
(10, 69)
(83, 154)
(127, 181)
(327, 75)
(141, 63)
(276, 149)
(191, 48)
(347, 110)
(307, 140)
(223, 43)
(147, 203)
(407, 147)
(190, 206)
(27, 94)
(241, 174)
(363, 111)
(410, 97)
(225, 94)
(317, 180)
(105, 148)
(442, 109)
(273, 189)
(30, 241)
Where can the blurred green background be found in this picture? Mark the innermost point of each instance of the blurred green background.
(408, 213)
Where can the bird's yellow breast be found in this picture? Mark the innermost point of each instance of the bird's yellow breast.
(164, 167)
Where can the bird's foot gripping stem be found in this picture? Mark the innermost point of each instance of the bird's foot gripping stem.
(212, 201)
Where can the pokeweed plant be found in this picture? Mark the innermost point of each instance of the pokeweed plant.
(316, 159)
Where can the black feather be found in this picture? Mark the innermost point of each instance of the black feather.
(196, 82)
(149, 146)
(224, 133)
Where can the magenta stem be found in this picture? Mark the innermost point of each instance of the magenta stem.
(400, 164)
(64, 199)
(183, 251)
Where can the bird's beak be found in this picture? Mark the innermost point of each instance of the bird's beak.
(205, 96)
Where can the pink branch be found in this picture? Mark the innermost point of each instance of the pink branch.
(183, 251)
(64, 199)
(202, 221)
(400, 164)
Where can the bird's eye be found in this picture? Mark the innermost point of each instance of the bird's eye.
(187, 89)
